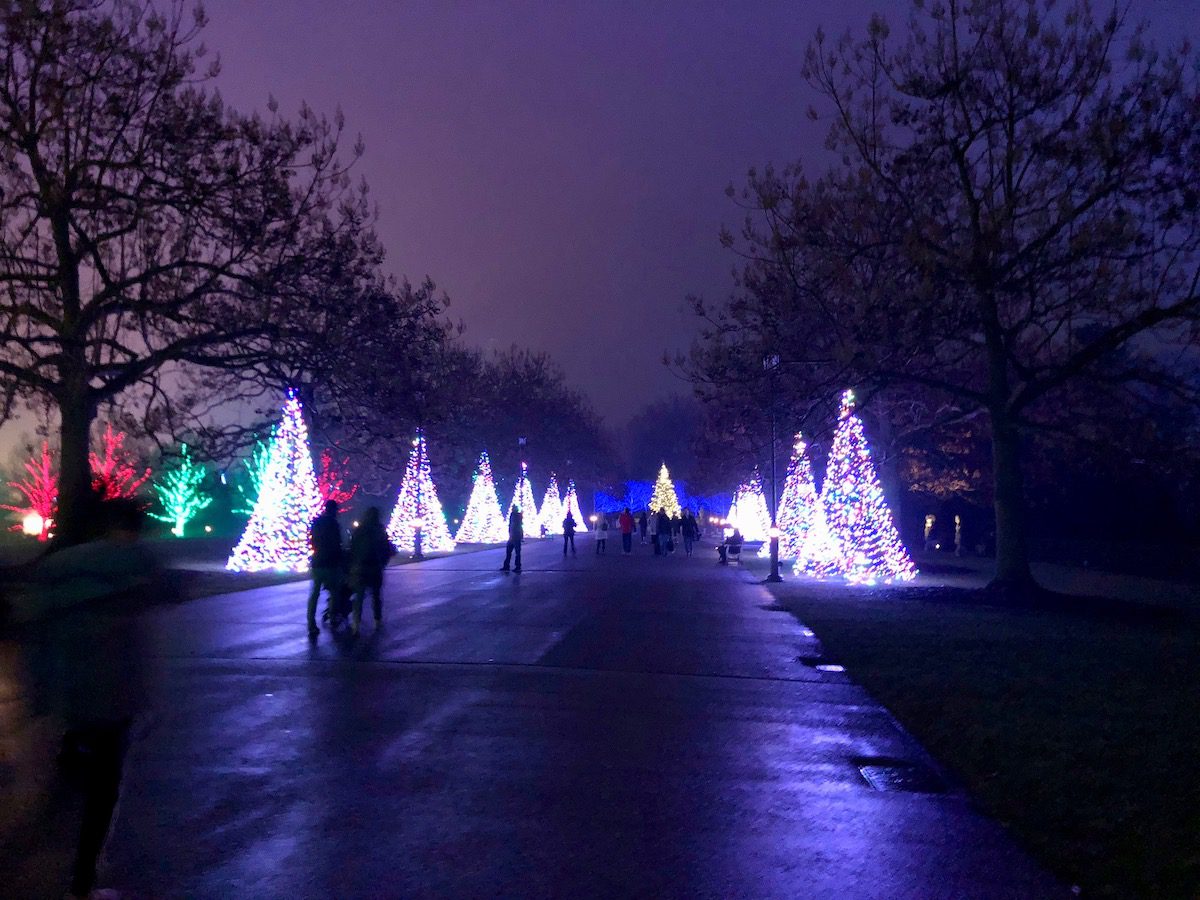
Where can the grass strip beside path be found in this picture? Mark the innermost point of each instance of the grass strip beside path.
(1081, 732)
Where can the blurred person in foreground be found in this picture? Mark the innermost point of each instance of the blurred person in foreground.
(85, 653)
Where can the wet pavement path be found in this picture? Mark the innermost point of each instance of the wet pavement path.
(595, 726)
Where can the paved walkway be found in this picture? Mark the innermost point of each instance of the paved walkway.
(612, 726)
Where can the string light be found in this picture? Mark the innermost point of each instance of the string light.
(523, 500)
(858, 513)
(276, 537)
(749, 514)
(551, 516)
(663, 497)
(179, 493)
(571, 504)
(483, 522)
(418, 510)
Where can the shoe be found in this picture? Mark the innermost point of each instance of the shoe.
(504, 568)
(313, 631)
(517, 569)
(353, 629)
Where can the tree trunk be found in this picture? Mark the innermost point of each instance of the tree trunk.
(74, 518)
(1012, 545)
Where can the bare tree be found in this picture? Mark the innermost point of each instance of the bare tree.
(1012, 234)
(147, 230)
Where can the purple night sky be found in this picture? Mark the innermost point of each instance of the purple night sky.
(559, 167)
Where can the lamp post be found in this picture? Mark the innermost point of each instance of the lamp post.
(770, 364)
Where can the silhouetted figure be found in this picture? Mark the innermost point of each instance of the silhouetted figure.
(602, 535)
(370, 551)
(87, 661)
(516, 534)
(663, 531)
(690, 530)
(325, 536)
(652, 526)
(626, 523)
(643, 525)
(568, 524)
(733, 542)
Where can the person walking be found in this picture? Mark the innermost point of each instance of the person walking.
(568, 524)
(652, 524)
(325, 536)
(663, 530)
(643, 525)
(516, 534)
(689, 530)
(625, 522)
(602, 534)
(370, 551)
(89, 664)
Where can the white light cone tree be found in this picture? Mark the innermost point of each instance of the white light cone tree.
(418, 512)
(483, 522)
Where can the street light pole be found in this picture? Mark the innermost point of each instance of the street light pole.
(771, 363)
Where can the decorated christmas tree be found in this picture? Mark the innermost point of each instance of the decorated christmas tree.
(749, 514)
(663, 496)
(820, 554)
(276, 537)
(179, 493)
(571, 503)
(523, 499)
(418, 513)
(483, 522)
(551, 515)
(859, 516)
(796, 505)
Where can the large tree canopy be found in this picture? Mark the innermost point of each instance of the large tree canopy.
(146, 229)
(1010, 239)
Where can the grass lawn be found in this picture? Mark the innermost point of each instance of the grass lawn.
(1080, 731)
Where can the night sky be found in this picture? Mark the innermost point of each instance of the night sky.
(559, 167)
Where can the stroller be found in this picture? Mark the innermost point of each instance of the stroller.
(336, 616)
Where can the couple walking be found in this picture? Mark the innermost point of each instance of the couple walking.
(339, 570)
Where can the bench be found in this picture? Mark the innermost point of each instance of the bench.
(733, 553)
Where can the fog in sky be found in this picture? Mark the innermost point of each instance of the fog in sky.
(559, 167)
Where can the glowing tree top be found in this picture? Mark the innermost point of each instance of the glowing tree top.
(116, 473)
(859, 516)
(39, 489)
(483, 522)
(418, 511)
(276, 537)
(663, 497)
(179, 493)
(523, 500)
(571, 504)
(749, 514)
(552, 513)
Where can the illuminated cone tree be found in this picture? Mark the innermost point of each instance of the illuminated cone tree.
(551, 516)
(749, 513)
(820, 554)
(179, 493)
(418, 512)
(795, 505)
(663, 496)
(483, 522)
(571, 504)
(523, 500)
(276, 537)
(859, 516)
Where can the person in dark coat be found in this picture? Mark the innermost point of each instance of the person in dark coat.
(516, 534)
(370, 551)
(690, 530)
(325, 536)
(663, 534)
(643, 524)
(568, 533)
(88, 663)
